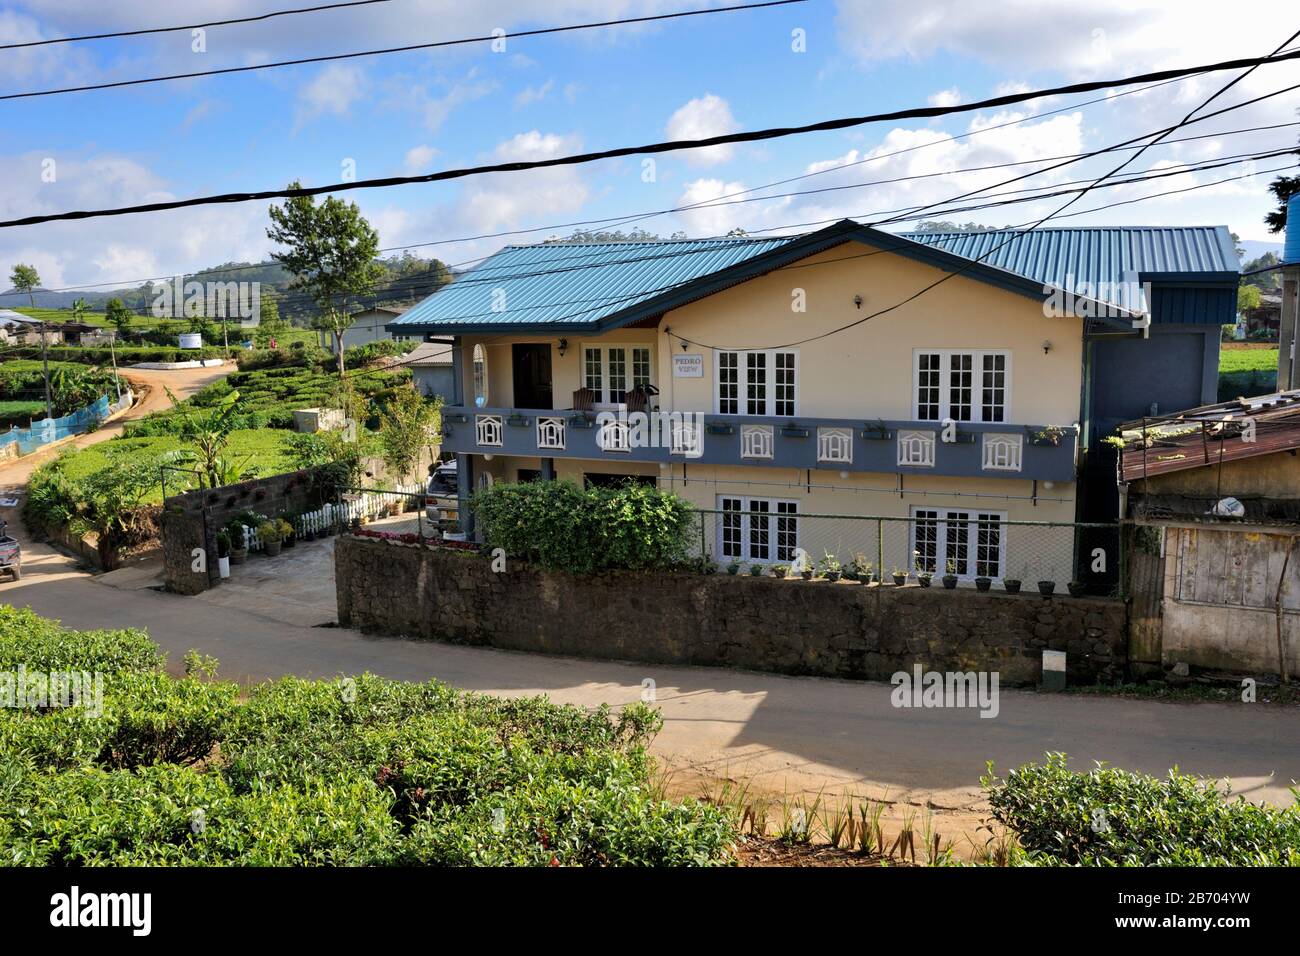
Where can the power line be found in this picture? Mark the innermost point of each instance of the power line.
(191, 26)
(651, 148)
(1022, 233)
(334, 57)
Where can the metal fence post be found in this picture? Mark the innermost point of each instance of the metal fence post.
(880, 548)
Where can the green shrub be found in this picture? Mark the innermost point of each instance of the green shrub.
(40, 644)
(361, 771)
(561, 526)
(1111, 817)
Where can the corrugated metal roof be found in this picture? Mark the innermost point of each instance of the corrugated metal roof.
(1105, 260)
(562, 286)
(575, 284)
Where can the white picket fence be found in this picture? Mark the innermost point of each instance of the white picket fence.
(365, 505)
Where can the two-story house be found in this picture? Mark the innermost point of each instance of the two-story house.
(847, 371)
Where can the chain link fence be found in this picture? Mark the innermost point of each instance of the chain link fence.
(965, 542)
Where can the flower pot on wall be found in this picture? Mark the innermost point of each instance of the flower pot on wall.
(983, 584)
(1012, 585)
(950, 582)
(1045, 588)
(272, 549)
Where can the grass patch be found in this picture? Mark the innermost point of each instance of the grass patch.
(1248, 360)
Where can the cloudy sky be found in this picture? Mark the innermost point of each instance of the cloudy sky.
(547, 96)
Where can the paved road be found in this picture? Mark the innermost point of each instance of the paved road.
(783, 734)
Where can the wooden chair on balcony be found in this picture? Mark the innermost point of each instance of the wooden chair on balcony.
(640, 398)
(585, 399)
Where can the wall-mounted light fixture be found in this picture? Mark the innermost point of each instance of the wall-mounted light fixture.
(1047, 346)
(563, 346)
(683, 345)
(857, 301)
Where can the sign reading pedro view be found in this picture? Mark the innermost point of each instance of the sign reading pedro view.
(688, 366)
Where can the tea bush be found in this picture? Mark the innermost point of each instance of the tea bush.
(1111, 817)
(561, 526)
(364, 771)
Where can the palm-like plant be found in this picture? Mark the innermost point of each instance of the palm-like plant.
(208, 431)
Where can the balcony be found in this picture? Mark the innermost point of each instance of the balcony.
(998, 450)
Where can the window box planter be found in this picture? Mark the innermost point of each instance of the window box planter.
(1049, 437)
(719, 428)
(794, 431)
(1011, 585)
(1045, 588)
(983, 584)
(876, 433)
(518, 421)
(459, 418)
(579, 421)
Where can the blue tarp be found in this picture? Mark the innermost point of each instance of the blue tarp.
(49, 430)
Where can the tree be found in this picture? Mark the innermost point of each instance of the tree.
(408, 425)
(209, 432)
(118, 315)
(330, 252)
(269, 323)
(1283, 188)
(25, 279)
(110, 504)
(79, 310)
(1265, 280)
(1247, 298)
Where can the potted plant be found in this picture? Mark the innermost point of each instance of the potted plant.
(287, 534)
(1045, 588)
(900, 577)
(830, 567)
(982, 583)
(272, 537)
(923, 577)
(950, 579)
(778, 570)
(1011, 585)
(223, 554)
(755, 570)
(1077, 588)
(1047, 436)
(860, 569)
(733, 568)
(238, 541)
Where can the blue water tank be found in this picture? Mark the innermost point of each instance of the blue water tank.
(1291, 251)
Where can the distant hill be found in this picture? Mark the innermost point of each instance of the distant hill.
(406, 280)
(1255, 249)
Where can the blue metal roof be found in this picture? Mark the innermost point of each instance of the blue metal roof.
(568, 286)
(578, 287)
(1106, 258)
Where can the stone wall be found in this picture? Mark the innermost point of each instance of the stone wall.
(793, 627)
(192, 520)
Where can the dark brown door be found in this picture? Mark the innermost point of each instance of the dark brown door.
(532, 375)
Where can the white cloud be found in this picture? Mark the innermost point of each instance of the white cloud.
(418, 158)
(948, 97)
(533, 94)
(705, 116)
(332, 91)
(505, 201)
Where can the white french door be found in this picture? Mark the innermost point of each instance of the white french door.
(967, 543)
(757, 529)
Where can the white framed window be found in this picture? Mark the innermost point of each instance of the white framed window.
(686, 439)
(757, 529)
(487, 429)
(756, 441)
(611, 371)
(550, 433)
(1002, 452)
(613, 436)
(916, 448)
(758, 382)
(967, 543)
(835, 445)
(966, 386)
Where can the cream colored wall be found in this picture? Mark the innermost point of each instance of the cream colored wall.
(866, 372)
(566, 369)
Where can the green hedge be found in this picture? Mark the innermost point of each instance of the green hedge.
(561, 526)
(190, 771)
(1111, 817)
(126, 355)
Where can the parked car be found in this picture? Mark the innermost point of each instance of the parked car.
(441, 485)
(11, 554)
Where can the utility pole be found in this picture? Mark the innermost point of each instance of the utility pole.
(112, 351)
(45, 362)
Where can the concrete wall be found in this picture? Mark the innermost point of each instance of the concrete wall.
(796, 627)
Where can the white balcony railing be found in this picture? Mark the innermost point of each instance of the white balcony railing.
(488, 430)
(550, 433)
(835, 445)
(1003, 452)
(916, 449)
(756, 441)
(613, 436)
